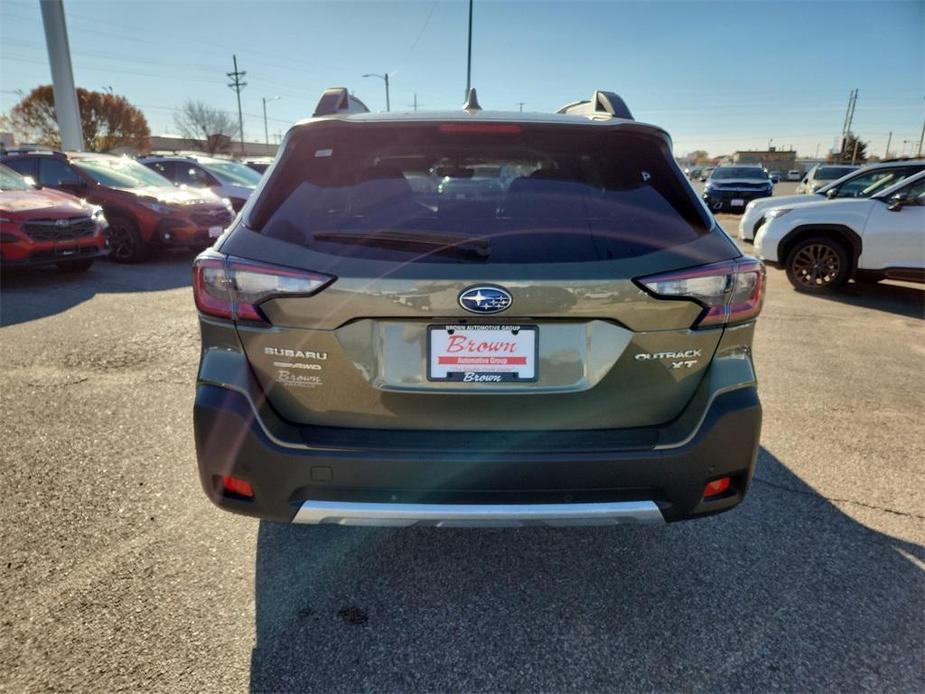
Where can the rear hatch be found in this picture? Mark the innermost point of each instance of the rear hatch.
(448, 299)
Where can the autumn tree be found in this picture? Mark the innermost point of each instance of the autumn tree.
(107, 120)
(209, 129)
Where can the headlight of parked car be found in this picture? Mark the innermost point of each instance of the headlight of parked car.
(228, 206)
(779, 212)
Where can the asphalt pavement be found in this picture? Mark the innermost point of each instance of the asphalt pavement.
(119, 575)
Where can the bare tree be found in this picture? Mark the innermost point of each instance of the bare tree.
(210, 129)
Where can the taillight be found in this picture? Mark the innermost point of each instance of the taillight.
(731, 291)
(229, 287)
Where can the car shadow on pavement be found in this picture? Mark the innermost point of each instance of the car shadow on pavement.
(902, 299)
(31, 293)
(785, 592)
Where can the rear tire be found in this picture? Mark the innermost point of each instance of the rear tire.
(75, 265)
(125, 242)
(818, 265)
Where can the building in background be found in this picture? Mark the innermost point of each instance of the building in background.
(772, 159)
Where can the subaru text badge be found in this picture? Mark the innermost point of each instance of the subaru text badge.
(485, 299)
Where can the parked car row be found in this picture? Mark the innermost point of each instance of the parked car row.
(867, 225)
(143, 209)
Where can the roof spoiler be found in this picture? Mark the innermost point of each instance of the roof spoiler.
(338, 100)
(600, 104)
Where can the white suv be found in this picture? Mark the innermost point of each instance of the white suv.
(859, 184)
(823, 244)
(224, 177)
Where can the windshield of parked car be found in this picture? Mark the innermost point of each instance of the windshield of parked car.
(538, 194)
(10, 180)
(830, 173)
(233, 172)
(864, 184)
(121, 172)
(738, 172)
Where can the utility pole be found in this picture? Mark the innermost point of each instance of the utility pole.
(384, 78)
(889, 139)
(921, 139)
(237, 85)
(469, 55)
(521, 104)
(854, 154)
(816, 156)
(846, 128)
(266, 132)
(62, 75)
(415, 104)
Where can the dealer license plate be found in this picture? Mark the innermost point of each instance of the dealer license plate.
(482, 353)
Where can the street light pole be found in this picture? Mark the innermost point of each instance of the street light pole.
(67, 111)
(384, 78)
(266, 131)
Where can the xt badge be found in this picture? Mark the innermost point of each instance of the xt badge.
(679, 360)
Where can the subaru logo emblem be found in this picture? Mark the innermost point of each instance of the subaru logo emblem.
(485, 299)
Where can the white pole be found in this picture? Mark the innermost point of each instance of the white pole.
(62, 76)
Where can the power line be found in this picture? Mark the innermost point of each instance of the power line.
(423, 28)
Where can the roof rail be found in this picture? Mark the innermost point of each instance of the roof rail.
(338, 100)
(601, 103)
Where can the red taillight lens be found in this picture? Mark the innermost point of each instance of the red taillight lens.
(717, 487)
(235, 485)
(229, 287)
(480, 128)
(731, 291)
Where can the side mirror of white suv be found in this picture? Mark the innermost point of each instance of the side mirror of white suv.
(898, 201)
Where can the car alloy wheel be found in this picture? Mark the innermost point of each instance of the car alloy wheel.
(818, 265)
(125, 243)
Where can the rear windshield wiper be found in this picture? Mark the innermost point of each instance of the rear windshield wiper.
(433, 241)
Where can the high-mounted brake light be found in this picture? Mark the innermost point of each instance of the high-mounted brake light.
(731, 291)
(480, 128)
(229, 287)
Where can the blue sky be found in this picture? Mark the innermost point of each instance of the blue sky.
(718, 76)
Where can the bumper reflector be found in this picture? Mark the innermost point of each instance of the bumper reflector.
(716, 487)
(233, 485)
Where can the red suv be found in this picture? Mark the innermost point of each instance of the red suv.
(45, 227)
(143, 208)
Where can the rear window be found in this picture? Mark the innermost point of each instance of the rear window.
(481, 193)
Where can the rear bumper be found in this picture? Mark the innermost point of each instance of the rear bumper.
(562, 482)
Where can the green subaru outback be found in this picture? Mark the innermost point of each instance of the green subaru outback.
(476, 318)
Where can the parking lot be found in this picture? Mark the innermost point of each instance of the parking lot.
(118, 571)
